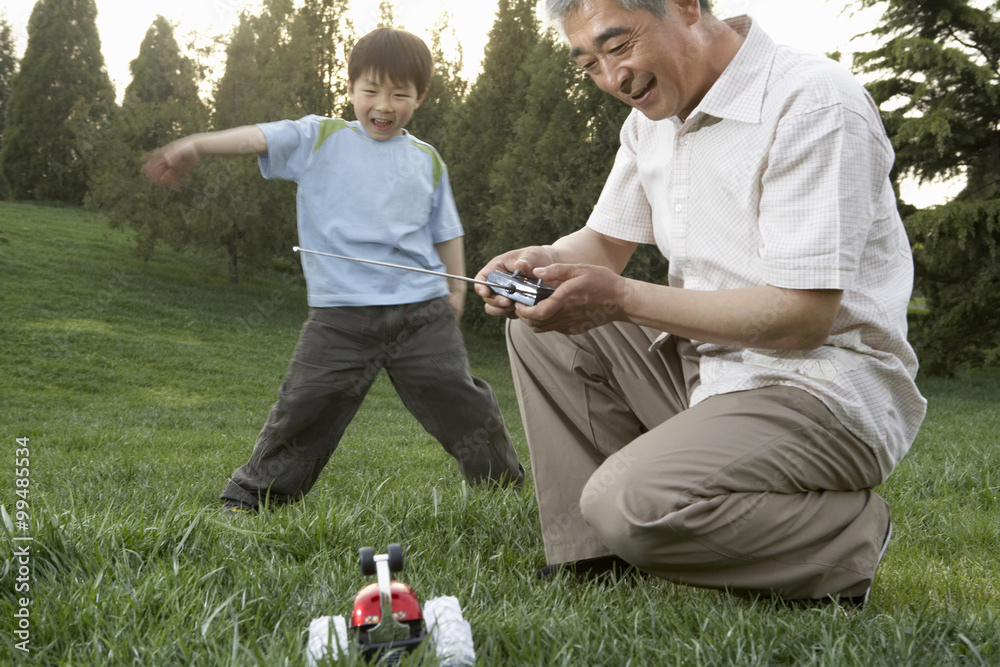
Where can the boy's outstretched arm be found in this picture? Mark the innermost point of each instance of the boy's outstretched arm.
(167, 166)
(452, 254)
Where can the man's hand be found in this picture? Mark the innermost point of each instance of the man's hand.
(588, 296)
(585, 268)
(524, 260)
(166, 167)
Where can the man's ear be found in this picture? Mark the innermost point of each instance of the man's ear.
(688, 10)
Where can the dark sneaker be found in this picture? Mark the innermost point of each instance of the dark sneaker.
(589, 569)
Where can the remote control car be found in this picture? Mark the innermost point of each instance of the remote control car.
(386, 615)
(387, 620)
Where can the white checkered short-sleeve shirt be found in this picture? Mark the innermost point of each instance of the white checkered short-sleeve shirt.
(780, 176)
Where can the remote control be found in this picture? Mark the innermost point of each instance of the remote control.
(517, 287)
(511, 285)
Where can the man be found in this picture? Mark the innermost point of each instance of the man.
(725, 430)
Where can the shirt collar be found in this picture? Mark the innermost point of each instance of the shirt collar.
(739, 92)
(405, 136)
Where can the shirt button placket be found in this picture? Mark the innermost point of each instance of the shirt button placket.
(681, 179)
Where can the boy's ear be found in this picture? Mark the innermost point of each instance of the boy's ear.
(422, 97)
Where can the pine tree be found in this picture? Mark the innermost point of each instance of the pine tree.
(322, 36)
(446, 91)
(387, 15)
(537, 183)
(160, 73)
(938, 83)
(938, 67)
(160, 104)
(558, 157)
(8, 67)
(481, 127)
(60, 103)
(250, 222)
(263, 72)
(559, 154)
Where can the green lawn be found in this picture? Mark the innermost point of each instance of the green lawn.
(141, 386)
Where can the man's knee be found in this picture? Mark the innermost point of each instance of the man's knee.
(631, 509)
(610, 498)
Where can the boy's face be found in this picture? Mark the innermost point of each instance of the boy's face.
(383, 106)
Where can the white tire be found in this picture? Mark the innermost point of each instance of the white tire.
(450, 634)
(327, 639)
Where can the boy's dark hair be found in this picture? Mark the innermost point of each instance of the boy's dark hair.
(397, 54)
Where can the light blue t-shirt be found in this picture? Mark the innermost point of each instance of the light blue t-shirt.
(388, 201)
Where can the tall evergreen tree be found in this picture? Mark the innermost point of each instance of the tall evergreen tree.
(160, 104)
(60, 103)
(161, 73)
(532, 204)
(447, 87)
(482, 126)
(387, 15)
(8, 67)
(233, 212)
(553, 168)
(284, 62)
(558, 156)
(937, 78)
(322, 36)
(262, 75)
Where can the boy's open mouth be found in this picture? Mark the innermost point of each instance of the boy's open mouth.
(381, 124)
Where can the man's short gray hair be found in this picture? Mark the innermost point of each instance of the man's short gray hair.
(557, 10)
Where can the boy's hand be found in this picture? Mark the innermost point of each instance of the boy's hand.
(456, 297)
(166, 167)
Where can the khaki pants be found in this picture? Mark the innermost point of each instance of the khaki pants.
(760, 491)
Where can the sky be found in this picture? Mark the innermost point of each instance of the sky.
(815, 25)
(820, 26)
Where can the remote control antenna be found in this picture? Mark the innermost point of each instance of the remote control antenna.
(512, 285)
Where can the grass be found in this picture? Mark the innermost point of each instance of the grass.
(142, 385)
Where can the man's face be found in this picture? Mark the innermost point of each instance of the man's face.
(383, 106)
(649, 62)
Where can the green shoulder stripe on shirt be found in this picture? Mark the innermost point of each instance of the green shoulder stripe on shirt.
(328, 127)
(435, 159)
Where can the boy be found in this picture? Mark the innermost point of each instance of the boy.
(366, 189)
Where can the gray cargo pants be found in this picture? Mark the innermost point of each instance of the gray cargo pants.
(340, 353)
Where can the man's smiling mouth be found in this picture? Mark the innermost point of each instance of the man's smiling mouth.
(642, 93)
